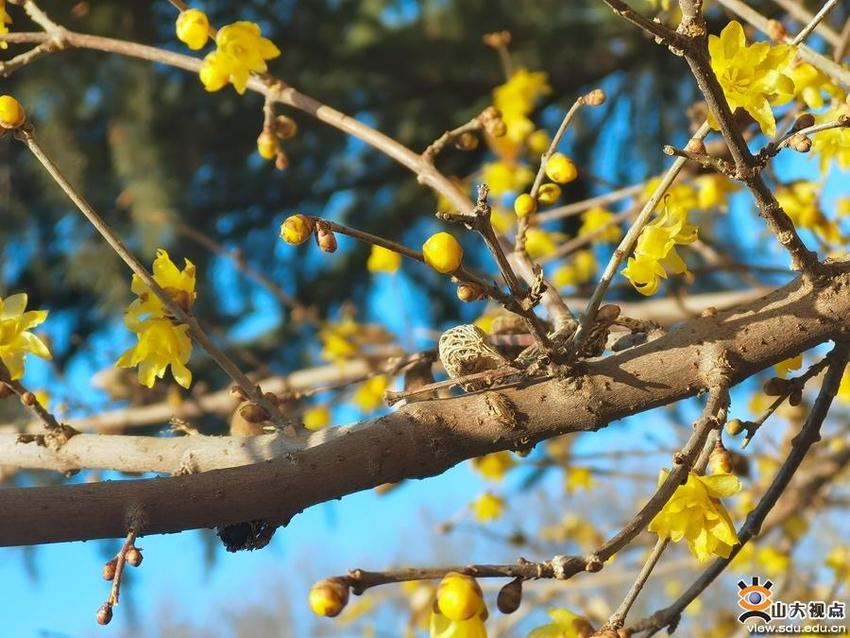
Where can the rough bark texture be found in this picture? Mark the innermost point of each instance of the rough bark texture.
(427, 438)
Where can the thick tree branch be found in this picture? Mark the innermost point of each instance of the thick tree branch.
(427, 438)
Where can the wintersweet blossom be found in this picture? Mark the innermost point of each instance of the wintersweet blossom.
(459, 610)
(566, 624)
(833, 145)
(752, 77)
(240, 51)
(696, 514)
(488, 507)
(516, 99)
(160, 341)
(16, 340)
(801, 200)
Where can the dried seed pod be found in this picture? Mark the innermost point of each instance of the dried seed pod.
(795, 398)
(109, 569)
(326, 240)
(134, 556)
(800, 142)
(510, 597)
(466, 142)
(804, 121)
(104, 614)
(595, 97)
(775, 387)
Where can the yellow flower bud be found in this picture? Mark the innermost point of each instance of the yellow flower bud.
(459, 597)
(549, 194)
(213, 74)
(734, 427)
(267, 145)
(296, 229)
(442, 252)
(328, 597)
(12, 114)
(193, 28)
(538, 142)
(560, 169)
(525, 205)
(470, 292)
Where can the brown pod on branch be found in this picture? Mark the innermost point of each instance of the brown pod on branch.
(510, 597)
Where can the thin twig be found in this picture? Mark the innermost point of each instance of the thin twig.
(174, 309)
(814, 22)
(799, 12)
(579, 207)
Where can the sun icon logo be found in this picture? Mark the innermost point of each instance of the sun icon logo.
(754, 599)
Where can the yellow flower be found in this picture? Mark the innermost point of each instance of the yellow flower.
(5, 19)
(383, 260)
(784, 367)
(12, 114)
(337, 339)
(516, 99)
(317, 417)
(540, 243)
(581, 269)
(161, 344)
(714, 190)
(578, 478)
(696, 514)
(801, 201)
(833, 144)
(442, 252)
(193, 28)
(751, 76)
(810, 85)
(838, 560)
(240, 51)
(503, 177)
(16, 341)
(595, 218)
(494, 466)
(488, 507)
(442, 627)
(179, 284)
(678, 196)
(370, 395)
(575, 529)
(549, 193)
(525, 205)
(566, 625)
(655, 253)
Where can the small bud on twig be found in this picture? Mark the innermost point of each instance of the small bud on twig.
(109, 569)
(510, 597)
(104, 614)
(134, 556)
(595, 98)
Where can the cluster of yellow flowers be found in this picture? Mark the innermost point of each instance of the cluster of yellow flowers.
(161, 342)
(240, 50)
(459, 610)
(516, 99)
(655, 253)
(16, 340)
(696, 514)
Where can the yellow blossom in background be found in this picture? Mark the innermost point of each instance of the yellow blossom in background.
(843, 394)
(772, 562)
(784, 367)
(838, 560)
(16, 340)
(713, 191)
(383, 260)
(485, 322)
(581, 269)
(241, 50)
(578, 478)
(516, 99)
(678, 196)
(833, 144)
(501, 219)
(488, 507)
(337, 339)
(542, 243)
(810, 84)
(752, 77)
(575, 529)
(801, 200)
(565, 624)
(5, 19)
(842, 206)
(494, 466)
(795, 527)
(696, 514)
(502, 177)
(161, 344)
(193, 28)
(369, 395)
(538, 142)
(317, 417)
(597, 218)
